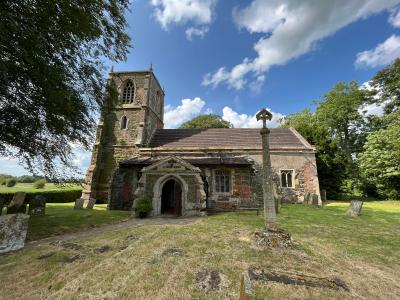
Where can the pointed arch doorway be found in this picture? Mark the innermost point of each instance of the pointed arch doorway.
(171, 198)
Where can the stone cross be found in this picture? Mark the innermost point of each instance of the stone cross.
(268, 192)
(264, 115)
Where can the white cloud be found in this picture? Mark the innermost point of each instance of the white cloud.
(198, 12)
(189, 108)
(394, 18)
(193, 31)
(291, 29)
(383, 54)
(248, 121)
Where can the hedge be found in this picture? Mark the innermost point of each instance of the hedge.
(60, 196)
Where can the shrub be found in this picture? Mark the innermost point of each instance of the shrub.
(144, 205)
(11, 182)
(39, 184)
(61, 196)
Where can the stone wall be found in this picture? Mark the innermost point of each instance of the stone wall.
(114, 144)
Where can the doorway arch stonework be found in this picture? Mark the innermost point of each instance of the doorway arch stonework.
(188, 176)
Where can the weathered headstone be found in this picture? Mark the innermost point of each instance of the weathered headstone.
(91, 203)
(2, 202)
(37, 205)
(306, 195)
(17, 204)
(323, 195)
(315, 200)
(354, 209)
(78, 203)
(13, 229)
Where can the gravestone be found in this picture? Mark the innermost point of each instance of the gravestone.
(315, 200)
(323, 195)
(37, 206)
(2, 202)
(91, 203)
(307, 198)
(17, 204)
(13, 229)
(78, 203)
(354, 209)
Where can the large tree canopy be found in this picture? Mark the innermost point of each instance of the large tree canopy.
(51, 79)
(380, 161)
(206, 121)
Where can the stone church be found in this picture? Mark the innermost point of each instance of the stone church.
(186, 170)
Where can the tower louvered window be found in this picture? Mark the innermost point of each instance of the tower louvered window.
(129, 93)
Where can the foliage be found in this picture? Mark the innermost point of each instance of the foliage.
(339, 112)
(39, 184)
(380, 161)
(144, 204)
(11, 182)
(3, 178)
(387, 86)
(206, 121)
(28, 178)
(51, 62)
(57, 196)
(330, 163)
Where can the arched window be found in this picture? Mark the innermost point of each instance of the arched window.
(124, 122)
(128, 93)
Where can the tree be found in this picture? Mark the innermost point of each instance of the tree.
(339, 112)
(206, 121)
(330, 161)
(380, 161)
(51, 82)
(387, 85)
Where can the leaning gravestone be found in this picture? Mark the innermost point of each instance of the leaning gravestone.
(354, 209)
(78, 203)
(37, 206)
(91, 203)
(13, 229)
(17, 204)
(323, 195)
(2, 201)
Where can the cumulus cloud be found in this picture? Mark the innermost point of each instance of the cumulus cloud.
(394, 18)
(383, 54)
(189, 108)
(291, 29)
(197, 12)
(248, 121)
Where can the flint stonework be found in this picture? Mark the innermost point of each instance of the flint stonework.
(17, 204)
(13, 229)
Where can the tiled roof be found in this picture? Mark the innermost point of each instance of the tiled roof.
(144, 161)
(279, 138)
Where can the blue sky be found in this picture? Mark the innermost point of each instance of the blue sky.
(234, 57)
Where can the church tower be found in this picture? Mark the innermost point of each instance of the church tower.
(127, 122)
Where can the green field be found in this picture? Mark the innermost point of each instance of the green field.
(364, 252)
(28, 187)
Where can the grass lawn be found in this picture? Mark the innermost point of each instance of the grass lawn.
(363, 252)
(62, 218)
(28, 187)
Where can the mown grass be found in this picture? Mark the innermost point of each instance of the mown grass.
(364, 252)
(61, 218)
(28, 187)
